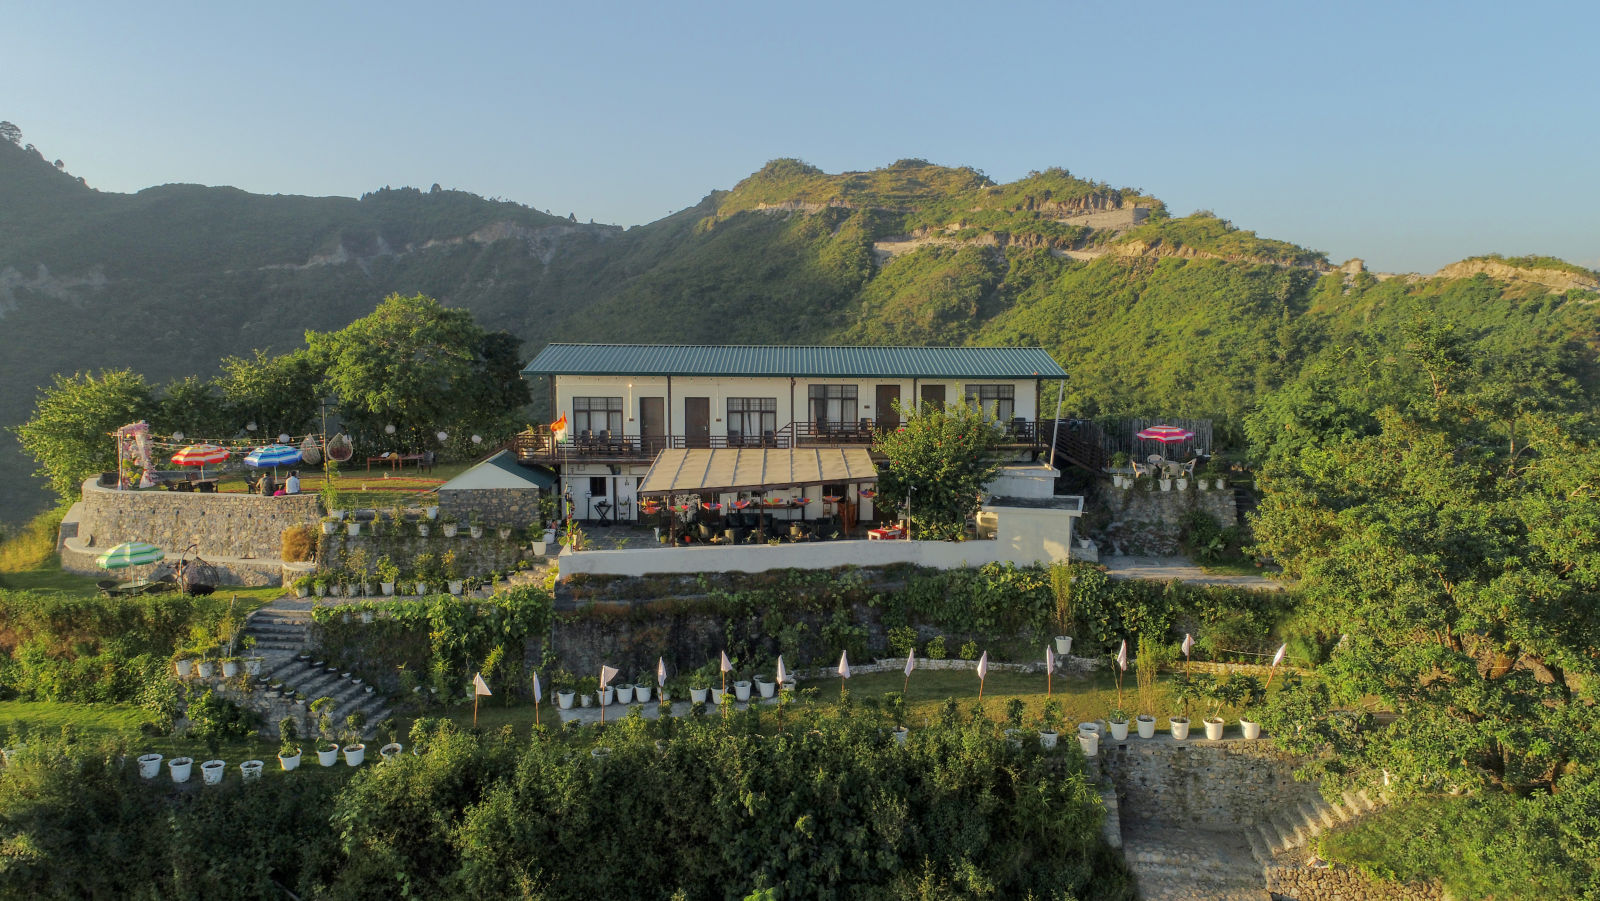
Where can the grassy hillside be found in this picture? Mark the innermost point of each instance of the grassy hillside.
(1175, 315)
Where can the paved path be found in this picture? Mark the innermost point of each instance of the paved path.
(1180, 568)
(1178, 863)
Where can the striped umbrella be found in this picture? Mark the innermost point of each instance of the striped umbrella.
(201, 455)
(273, 455)
(132, 553)
(1166, 434)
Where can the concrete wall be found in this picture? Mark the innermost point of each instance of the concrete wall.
(1342, 884)
(1149, 522)
(223, 525)
(518, 507)
(1195, 782)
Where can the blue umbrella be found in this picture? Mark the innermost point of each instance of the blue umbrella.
(273, 455)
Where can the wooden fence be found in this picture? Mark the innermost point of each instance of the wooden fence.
(1117, 434)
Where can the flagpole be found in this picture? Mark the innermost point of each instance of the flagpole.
(474, 709)
(602, 698)
(980, 688)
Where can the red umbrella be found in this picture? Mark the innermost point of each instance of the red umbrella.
(1166, 434)
(201, 455)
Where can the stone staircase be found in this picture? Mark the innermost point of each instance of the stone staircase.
(349, 694)
(1292, 827)
(1192, 864)
(279, 631)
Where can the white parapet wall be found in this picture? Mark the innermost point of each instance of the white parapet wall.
(1025, 535)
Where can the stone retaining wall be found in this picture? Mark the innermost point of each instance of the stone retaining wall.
(223, 525)
(1342, 884)
(1149, 522)
(518, 507)
(1211, 784)
(477, 557)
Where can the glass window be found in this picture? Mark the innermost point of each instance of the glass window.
(833, 405)
(998, 402)
(598, 486)
(751, 417)
(596, 414)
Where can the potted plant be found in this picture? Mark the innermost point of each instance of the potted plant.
(452, 571)
(587, 686)
(1145, 668)
(182, 664)
(1013, 732)
(319, 584)
(1202, 475)
(330, 525)
(642, 687)
(288, 746)
(431, 511)
(1119, 462)
(1223, 690)
(211, 771)
(206, 667)
(765, 687)
(1249, 696)
(327, 751)
(895, 706)
(564, 691)
(741, 686)
(352, 528)
(149, 765)
(624, 692)
(1187, 689)
(391, 748)
(1049, 724)
(505, 533)
(475, 524)
(303, 585)
(179, 768)
(426, 567)
(1180, 479)
(230, 667)
(700, 684)
(354, 750)
(388, 573)
(448, 524)
(1118, 721)
(1219, 475)
(1164, 479)
(250, 770)
(1089, 739)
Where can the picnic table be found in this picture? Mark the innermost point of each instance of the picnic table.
(114, 589)
(885, 534)
(394, 460)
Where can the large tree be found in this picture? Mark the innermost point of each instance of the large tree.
(69, 433)
(422, 367)
(940, 460)
(279, 394)
(1449, 540)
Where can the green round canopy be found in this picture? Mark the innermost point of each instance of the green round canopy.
(132, 553)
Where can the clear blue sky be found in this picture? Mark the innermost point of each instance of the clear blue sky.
(1409, 134)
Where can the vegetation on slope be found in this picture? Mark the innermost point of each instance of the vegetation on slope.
(1205, 233)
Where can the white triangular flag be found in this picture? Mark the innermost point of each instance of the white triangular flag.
(661, 672)
(1122, 656)
(911, 661)
(983, 666)
(607, 673)
(479, 687)
(1278, 657)
(726, 666)
(1049, 660)
(1188, 643)
(844, 664)
(783, 675)
(538, 692)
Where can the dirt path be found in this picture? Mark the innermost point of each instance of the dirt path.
(1162, 569)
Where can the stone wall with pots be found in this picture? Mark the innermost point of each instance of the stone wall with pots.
(517, 507)
(1149, 522)
(1338, 883)
(223, 525)
(477, 557)
(1213, 784)
(246, 695)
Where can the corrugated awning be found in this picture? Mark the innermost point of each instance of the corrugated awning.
(755, 469)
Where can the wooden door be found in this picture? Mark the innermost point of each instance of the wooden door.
(933, 394)
(653, 423)
(697, 421)
(888, 396)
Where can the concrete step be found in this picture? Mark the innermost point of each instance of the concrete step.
(1323, 812)
(1259, 849)
(1367, 804)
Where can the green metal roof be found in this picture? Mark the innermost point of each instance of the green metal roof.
(799, 361)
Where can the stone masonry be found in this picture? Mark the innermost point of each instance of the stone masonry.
(1210, 784)
(1149, 522)
(223, 525)
(517, 507)
(1342, 884)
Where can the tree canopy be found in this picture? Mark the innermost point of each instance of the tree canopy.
(69, 433)
(940, 459)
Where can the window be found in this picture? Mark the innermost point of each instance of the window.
(596, 414)
(833, 405)
(751, 417)
(998, 402)
(598, 487)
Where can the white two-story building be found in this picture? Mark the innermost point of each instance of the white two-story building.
(732, 423)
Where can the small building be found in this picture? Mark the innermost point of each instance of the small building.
(501, 491)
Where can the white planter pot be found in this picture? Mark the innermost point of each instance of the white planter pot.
(1014, 739)
(206, 669)
(328, 528)
(1089, 727)
(391, 750)
(505, 534)
(1147, 726)
(1119, 731)
(328, 758)
(539, 548)
(455, 586)
(549, 536)
(697, 695)
(422, 529)
(289, 763)
(336, 514)
(352, 528)
(183, 668)
(641, 692)
(250, 770)
(388, 587)
(718, 696)
(624, 694)
(741, 690)
(475, 531)
(322, 590)
(1180, 728)
(564, 699)
(354, 754)
(334, 591)
(1204, 484)
(252, 666)
(600, 753)
(1090, 743)
(179, 767)
(1214, 729)
(1063, 645)
(211, 771)
(586, 700)
(230, 668)
(1047, 740)
(766, 689)
(1252, 731)
(422, 589)
(149, 766)
(367, 615)
(1183, 484)
(1166, 484)
(607, 696)
(900, 734)
(666, 696)
(450, 530)
(1221, 484)
(432, 512)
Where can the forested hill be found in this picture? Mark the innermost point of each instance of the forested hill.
(1150, 312)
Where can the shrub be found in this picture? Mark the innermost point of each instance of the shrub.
(299, 544)
(902, 639)
(936, 649)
